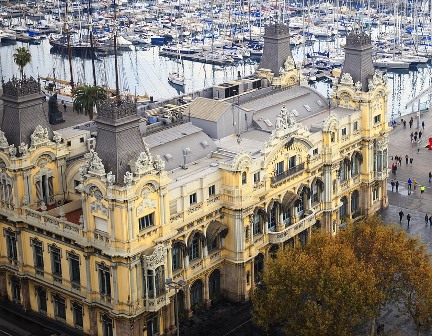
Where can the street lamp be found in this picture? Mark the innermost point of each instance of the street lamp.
(176, 285)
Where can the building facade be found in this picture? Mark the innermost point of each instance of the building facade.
(92, 228)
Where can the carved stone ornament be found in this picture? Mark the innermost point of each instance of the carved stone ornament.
(23, 148)
(289, 63)
(358, 86)
(12, 151)
(3, 141)
(241, 161)
(94, 163)
(57, 138)
(97, 205)
(156, 259)
(144, 163)
(25, 201)
(285, 119)
(110, 178)
(39, 136)
(371, 85)
(281, 71)
(21, 87)
(146, 203)
(347, 79)
(159, 164)
(377, 78)
(128, 178)
(381, 143)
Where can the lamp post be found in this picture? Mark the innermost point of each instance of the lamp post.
(176, 285)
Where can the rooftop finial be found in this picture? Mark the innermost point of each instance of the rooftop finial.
(20, 87)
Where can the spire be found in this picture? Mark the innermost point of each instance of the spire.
(119, 141)
(358, 57)
(276, 47)
(23, 110)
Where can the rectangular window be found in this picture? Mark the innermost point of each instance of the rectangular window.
(146, 221)
(375, 193)
(377, 118)
(212, 190)
(16, 290)
(213, 245)
(104, 281)
(38, 254)
(279, 168)
(81, 140)
(315, 151)
(192, 198)
(11, 245)
(194, 249)
(292, 162)
(173, 207)
(256, 177)
(176, 258)
(59, 307)
(42, 299)
(101, 224)
(344, 131)
(107, 326)
(74, 264)
(256, 224)
(56, 262)
(77, 315)
(355, 126)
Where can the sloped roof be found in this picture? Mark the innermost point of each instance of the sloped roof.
(207, 109)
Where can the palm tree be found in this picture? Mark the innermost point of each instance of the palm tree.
(86, 97)
(21, 57)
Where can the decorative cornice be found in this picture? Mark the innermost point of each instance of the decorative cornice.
(21, 87)
(116, 109)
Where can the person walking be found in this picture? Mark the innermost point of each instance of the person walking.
(64, 107)
(430, 177)
(392, 184)
(411, 161)
(426, 219)
(423, 125)
(415, 184)
(408, 219)
(422, 189)
(406, 159)
(430, 221)
(409, 183)
(404, 123)
(411, 122)
(397, 186)
(420, 134)
(401, 214)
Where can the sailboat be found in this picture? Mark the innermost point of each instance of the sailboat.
(176, 77)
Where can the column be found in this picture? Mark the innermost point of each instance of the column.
(172, 314)
(169, 262)
(131, 224)
(166, 319)
(84, 211)
(205, 248)
(188, 310)
(162, 207)
(207, 301)
(87, 269)
(111, 221)
(280, 225)
(140, 278)
(115, 284)
(186, 254)
(19, 248)
(132, 285)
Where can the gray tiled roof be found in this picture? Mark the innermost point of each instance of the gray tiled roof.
(170, 143)
(21, 115)
(358, 58)
(207, 109)
(276, 47)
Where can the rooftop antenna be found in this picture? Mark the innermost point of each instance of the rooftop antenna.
(91, 42)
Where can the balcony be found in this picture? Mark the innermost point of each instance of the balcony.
(278, 179)
(292, 230)
(154, 305)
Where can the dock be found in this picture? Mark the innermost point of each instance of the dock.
(194, 58)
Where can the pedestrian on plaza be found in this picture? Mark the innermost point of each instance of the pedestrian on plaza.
(410, 123)
(422, 189)
(430, 177)
(411, 161)
(397, 186)
(409, 183)
(412, 136)
(406, 159)
(420, 134)
(401, 214)
(392, 184)
(64, 107)
(400, 160)
(408, 219)
(426, 219)
(415, 184)
(404, 123)
(423, 124)
(430, 221)
(415, 137)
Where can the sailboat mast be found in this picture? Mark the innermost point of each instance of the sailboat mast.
(117, 91)
(92, 50)
(68, 46)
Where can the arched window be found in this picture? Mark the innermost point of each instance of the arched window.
(195, 246)
(344, 170)
(177, 255)
(257, 223)
(214, 284)
(316, 190)
(354, 201)
(343, 212)
(196, 294)
(258, 266)
(244, 178)
(273, 217)
(356, 164)
(299, 207)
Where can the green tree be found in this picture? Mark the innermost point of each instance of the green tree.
(320, 289)
(22, 57)
(86, 97)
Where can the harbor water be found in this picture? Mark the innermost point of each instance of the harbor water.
(143, 71)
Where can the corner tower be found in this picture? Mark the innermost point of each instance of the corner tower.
(23, 110)
(119, 140)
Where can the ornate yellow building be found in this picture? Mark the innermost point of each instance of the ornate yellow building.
(92, 228)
